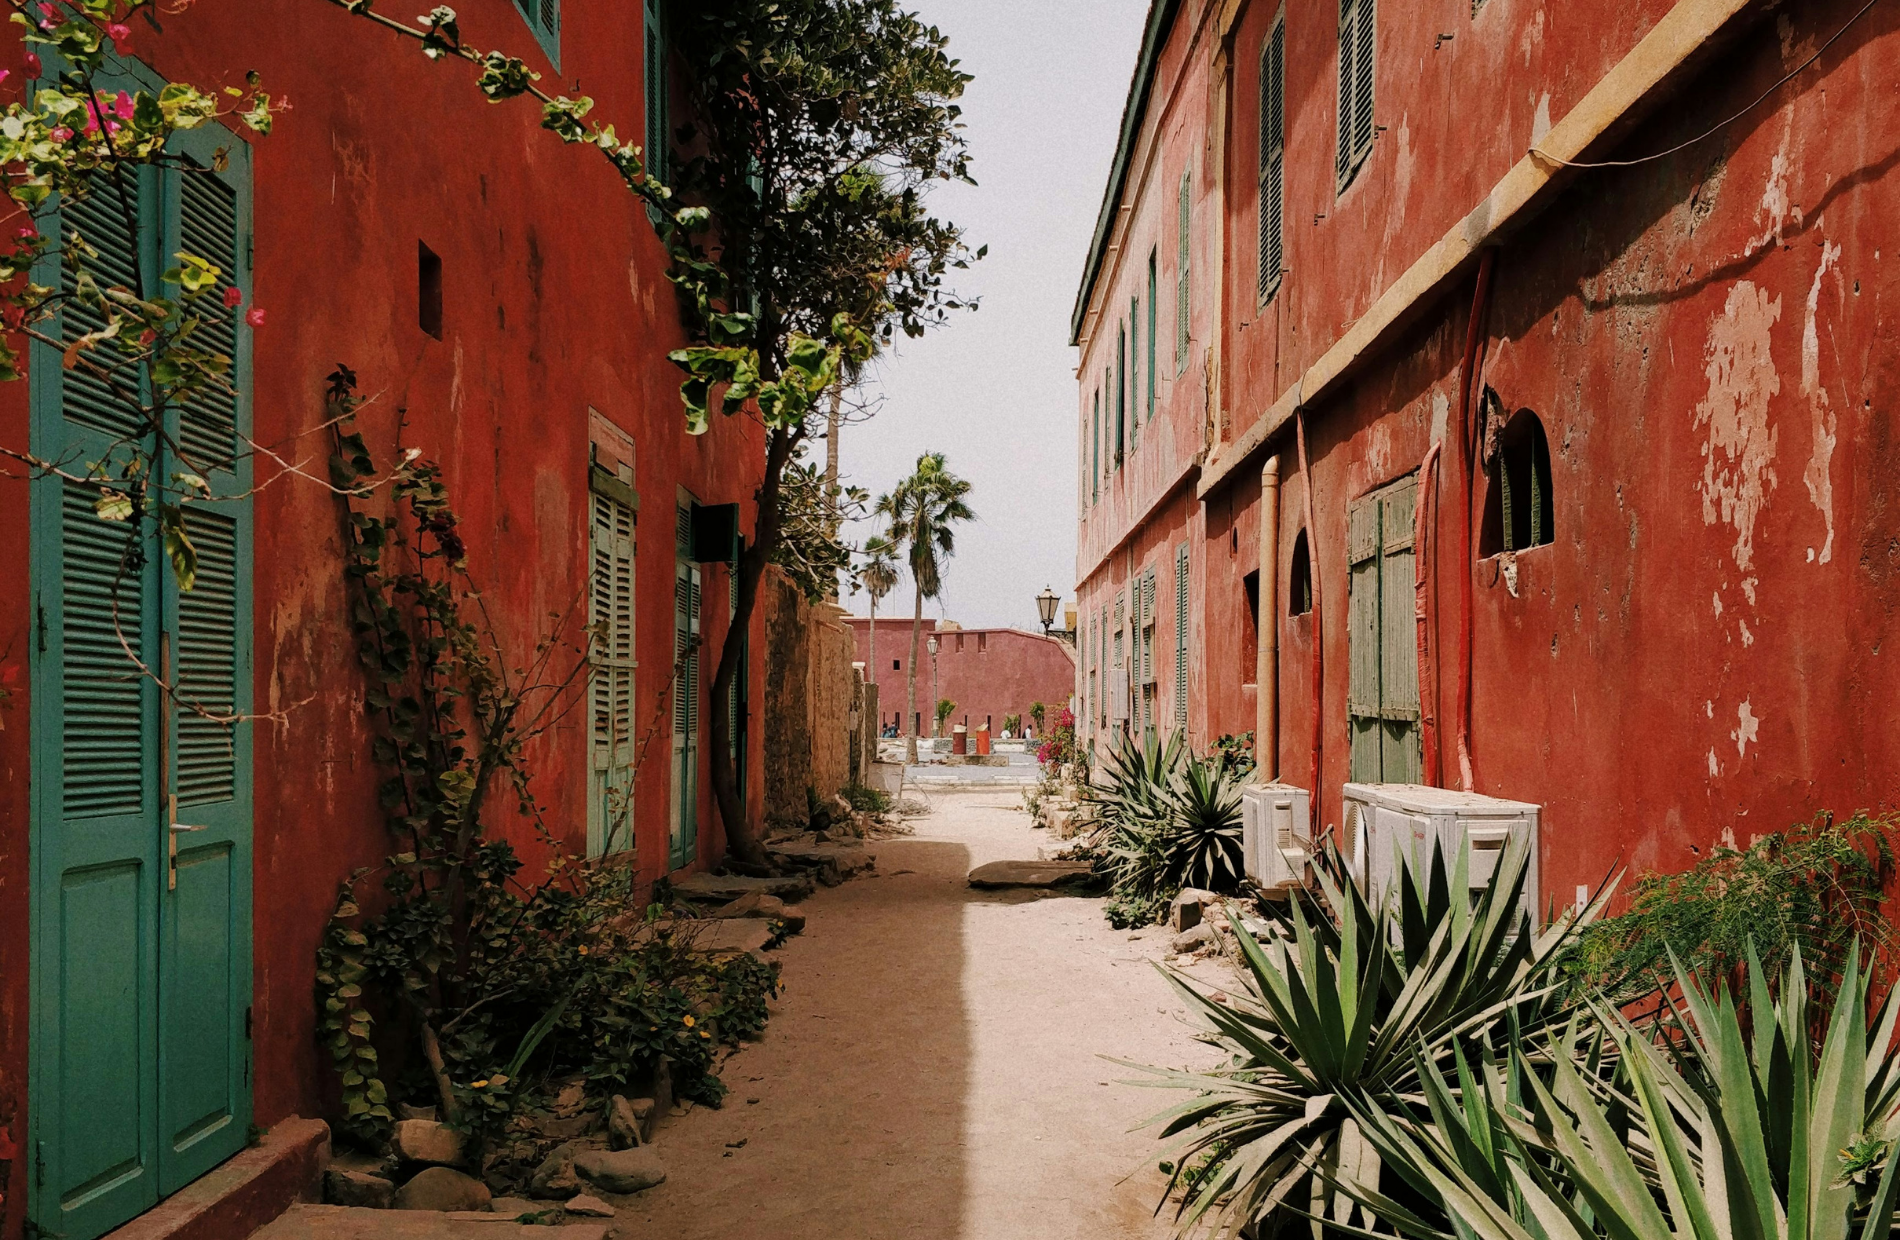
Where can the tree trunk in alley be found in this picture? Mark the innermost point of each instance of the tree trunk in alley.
(910, 697)
(870, 660)
(832, 421)
(727, 794)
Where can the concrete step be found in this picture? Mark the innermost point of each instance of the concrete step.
(306, 1222)
(238, 1196)
(720, 888)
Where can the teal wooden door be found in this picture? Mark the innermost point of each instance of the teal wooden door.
(139, 1054)
(684, 844)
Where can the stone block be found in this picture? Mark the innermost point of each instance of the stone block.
(589, 1207)
(1002, 875)
(344, 1187)
(443, 1188)
(1188, 908)
(427, 1141)
(621, 1171)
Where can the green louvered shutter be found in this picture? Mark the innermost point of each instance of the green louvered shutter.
(1181, 266)
(1181, 636)
(611, 604)
(1154, 277)
(544, 18)
(1272, 199)
(1134, 377)
(142, 977)
(657, 95)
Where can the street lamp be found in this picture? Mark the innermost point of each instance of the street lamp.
(934, 721)
(1046, 607)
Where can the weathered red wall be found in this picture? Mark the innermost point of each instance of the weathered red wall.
(555, 303)
(1703, 339)
(986, 672)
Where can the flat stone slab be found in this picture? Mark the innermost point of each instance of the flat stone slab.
(1003, 875)
(308, 1222)
(726, 937)
(724, 888)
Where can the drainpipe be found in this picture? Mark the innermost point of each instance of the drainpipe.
(1266, 731)
(1474, 333)
(1422, 527)
(1319, 632)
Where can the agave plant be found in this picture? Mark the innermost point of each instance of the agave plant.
(1342, 1012)
(1204, 840)
(1732, 1129)
(1136, 813)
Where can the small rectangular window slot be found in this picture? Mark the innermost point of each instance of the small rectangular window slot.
(428, 290)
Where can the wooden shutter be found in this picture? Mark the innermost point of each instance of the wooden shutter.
(1272, 200)
(1357, 22)
(100, 219)
(1134, 375)
(1348, 49)
(1362, 637)
(1181, 636)
(1181, 265)
(657, 95)
(1153, 326)
(544, 18)
(1399, 759)
(613, 610)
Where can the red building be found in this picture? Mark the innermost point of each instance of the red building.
(503, 299)
(989, 673)
(1647, 407)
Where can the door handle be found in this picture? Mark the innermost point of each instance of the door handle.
(177, 829)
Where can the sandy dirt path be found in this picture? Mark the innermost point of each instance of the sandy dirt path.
(932, 1070)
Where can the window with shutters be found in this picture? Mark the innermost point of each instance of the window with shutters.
(1120, 382)
(1134, 376)
(686, 689)
(658, 96)
(1272, 201)
(1181, 265)
(1382, 637)
(1357, 19)
(1181, 636)
(1517, 505)
(1095, 469)
(1153, 277)
(611, 611)
(544, 18)
(1101, 659)
(1145, 661)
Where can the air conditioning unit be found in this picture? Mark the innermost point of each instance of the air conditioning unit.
(1383, 822)
(1276, 824)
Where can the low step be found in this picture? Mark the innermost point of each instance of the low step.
(307, 1222)
(720, 888)
(1002, 875)
(243, 1193)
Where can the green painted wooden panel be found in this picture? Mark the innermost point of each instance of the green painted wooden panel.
(204, 1054)
(686, 689)
(140, 1070)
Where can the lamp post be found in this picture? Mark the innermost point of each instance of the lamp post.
(1046, 608)
(935, 722)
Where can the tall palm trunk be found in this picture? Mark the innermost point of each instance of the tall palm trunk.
(910, 695)
(871, 659)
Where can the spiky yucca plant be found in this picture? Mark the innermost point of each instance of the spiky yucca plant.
(1342, 1008)
(1735, 1127)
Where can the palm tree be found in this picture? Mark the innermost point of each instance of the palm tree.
(879, 577)
(923, 511)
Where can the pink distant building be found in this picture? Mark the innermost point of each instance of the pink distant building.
(988, 673)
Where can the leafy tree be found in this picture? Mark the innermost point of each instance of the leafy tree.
(924, 511)
(817, 125)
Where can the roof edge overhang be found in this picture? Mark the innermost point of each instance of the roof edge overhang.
(1161, 15)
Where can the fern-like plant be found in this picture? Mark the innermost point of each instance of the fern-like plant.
(1203, 845)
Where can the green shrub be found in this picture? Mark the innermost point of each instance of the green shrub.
(1816, 886)
(1236, 750)
(867, 800)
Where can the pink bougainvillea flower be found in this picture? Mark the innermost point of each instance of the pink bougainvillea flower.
(255, 316)
(61, 134)
(48, 11)
(28, 233)
(33, 64)
(121, 36)
(233, 296)
(123, 106)
(147, 336)
(5, 74)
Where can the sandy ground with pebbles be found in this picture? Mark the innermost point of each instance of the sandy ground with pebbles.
(933, 1069)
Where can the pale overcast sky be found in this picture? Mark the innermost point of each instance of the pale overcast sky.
(995, 390)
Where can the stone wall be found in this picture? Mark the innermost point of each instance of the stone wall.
(810, 690)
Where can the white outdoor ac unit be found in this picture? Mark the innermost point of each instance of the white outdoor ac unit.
(1383, 821)
(1276, 825)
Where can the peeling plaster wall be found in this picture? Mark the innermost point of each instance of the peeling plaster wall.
(556, 303)
(1706, 647)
